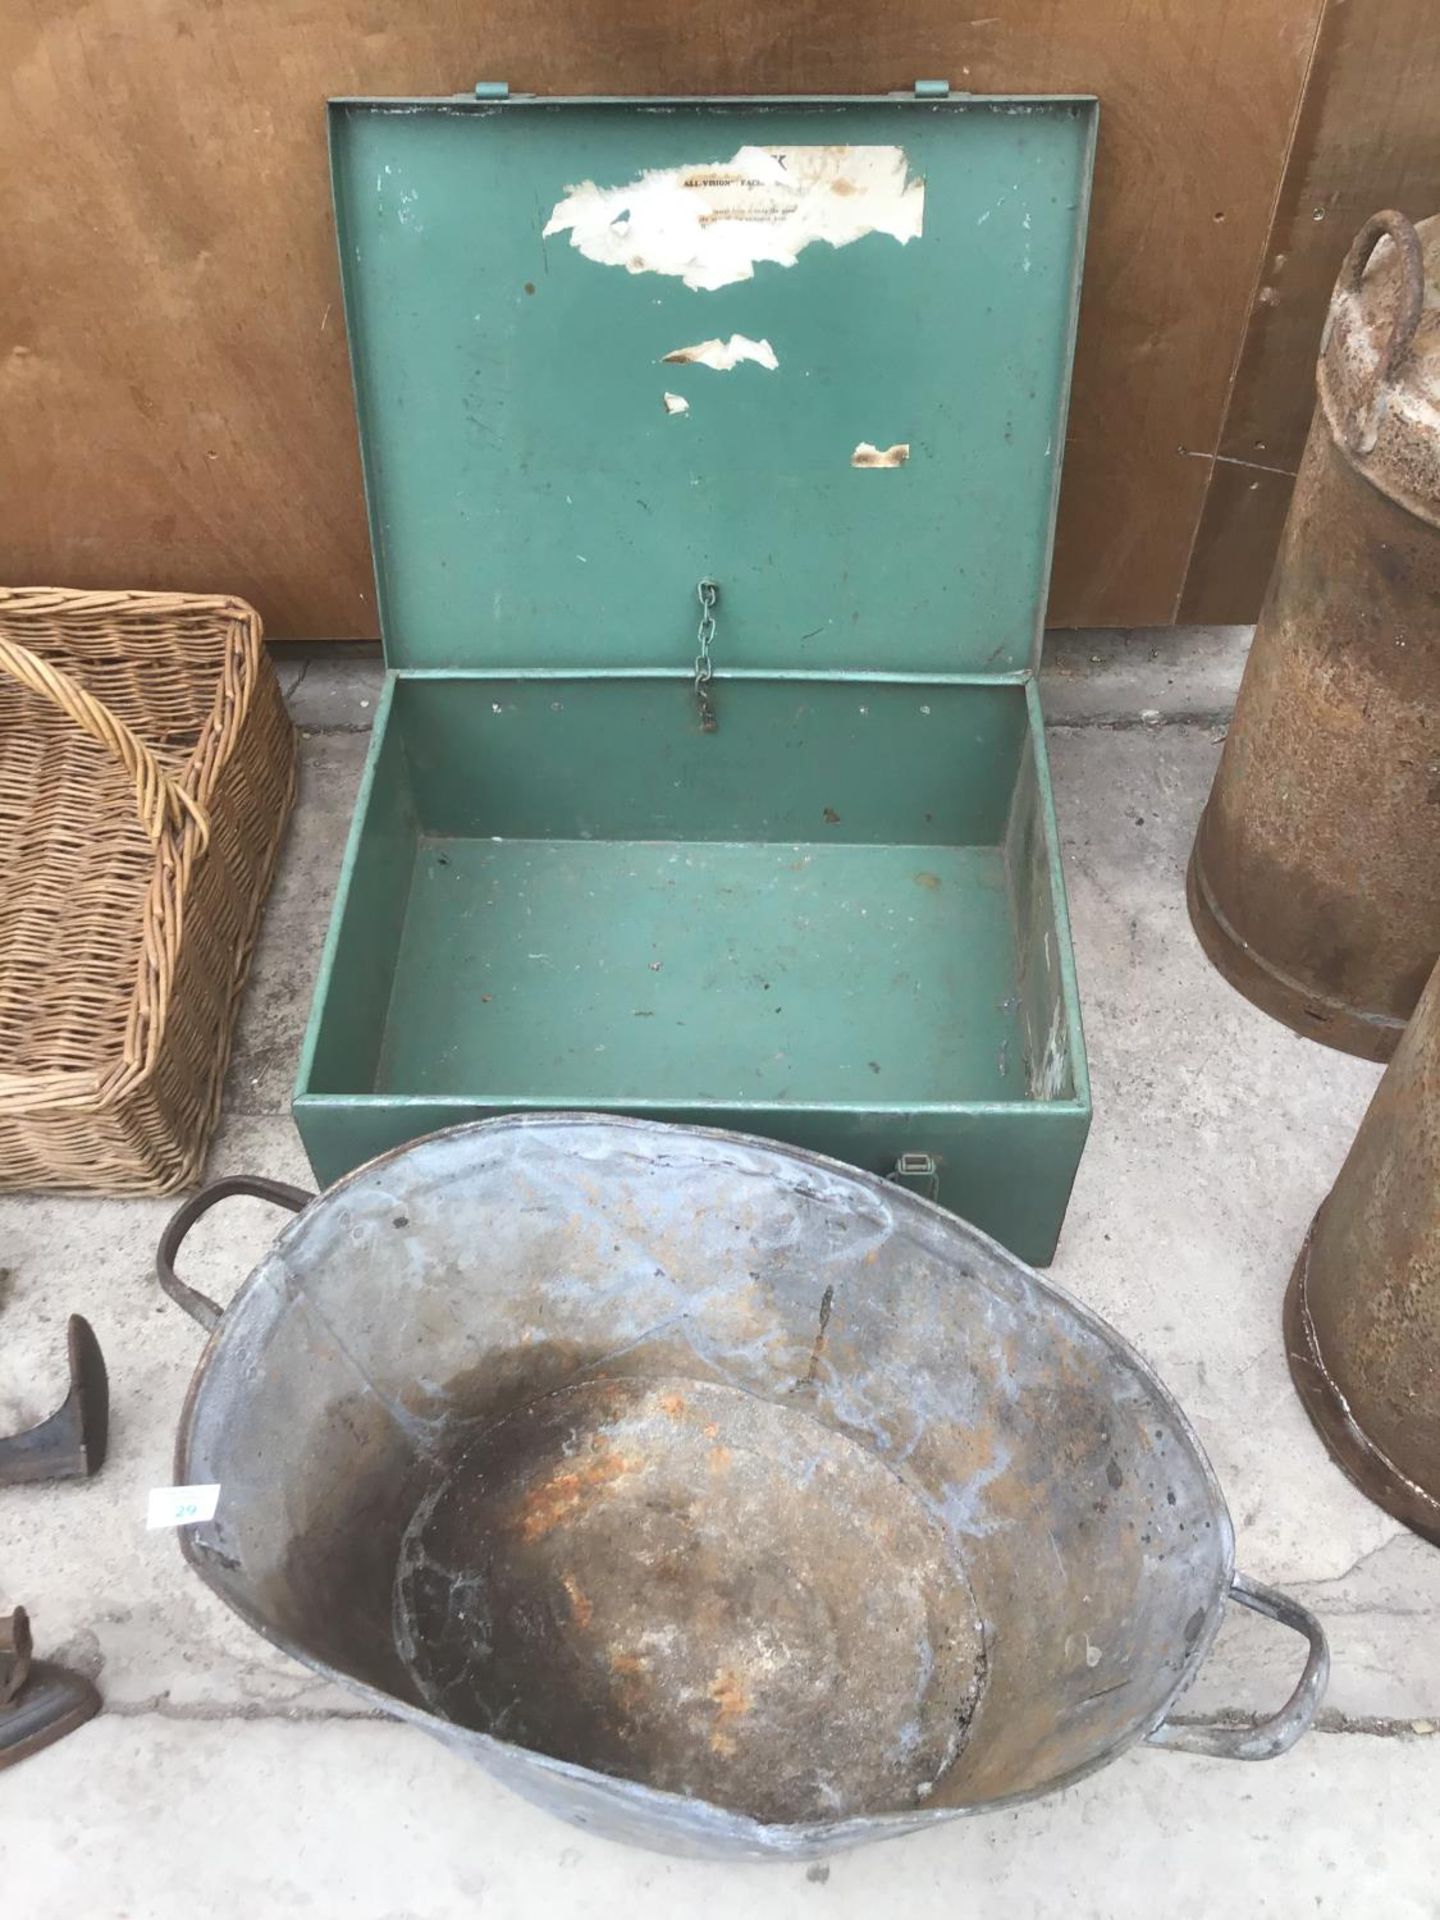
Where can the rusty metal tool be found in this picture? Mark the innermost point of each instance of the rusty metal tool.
(39, 1702)
(71, 1444)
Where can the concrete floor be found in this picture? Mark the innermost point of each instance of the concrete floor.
(224, 1781)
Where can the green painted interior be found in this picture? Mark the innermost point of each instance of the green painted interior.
(531, 502)
(1047, 1042)
(835, 901)
(577, 970)
(352, 995)
(614, 758)
(676, 925)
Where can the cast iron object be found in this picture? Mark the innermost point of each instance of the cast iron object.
(39, 1703)
(1362, 1314)
(71, 1443)
(708, 1492)
(1313, 885)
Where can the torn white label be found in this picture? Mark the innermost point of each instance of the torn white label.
(710, 224)
(181, 1506)
(867, 456)
(676, 403)
(722, 355)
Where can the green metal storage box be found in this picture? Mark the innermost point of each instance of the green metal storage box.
(711, 450)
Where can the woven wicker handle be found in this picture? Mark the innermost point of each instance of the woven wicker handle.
(159, 798)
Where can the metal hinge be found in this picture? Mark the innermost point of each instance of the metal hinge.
(931, 89)
(492, 89)
(918, 1171)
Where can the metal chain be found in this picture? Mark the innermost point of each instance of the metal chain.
(707, 592)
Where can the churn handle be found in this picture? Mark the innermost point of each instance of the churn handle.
(1360, 432)
(1278, 1734)
(199, 1306)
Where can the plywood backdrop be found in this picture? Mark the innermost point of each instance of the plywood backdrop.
(177, 408)
(1368, 136)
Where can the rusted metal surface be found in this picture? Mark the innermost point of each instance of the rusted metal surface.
(697, 1573)
(1362, 1314)
(71, 1443)
(15, 1651)
(706, 1491)
(1313, 884)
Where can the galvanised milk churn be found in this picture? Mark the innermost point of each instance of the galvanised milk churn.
(1314, 884)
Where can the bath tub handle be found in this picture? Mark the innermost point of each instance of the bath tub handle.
(1279, 1733)
(200, 1306)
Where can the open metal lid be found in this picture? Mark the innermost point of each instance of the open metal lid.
(817, 351)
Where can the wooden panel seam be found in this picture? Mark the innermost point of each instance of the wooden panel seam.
(1215, 456)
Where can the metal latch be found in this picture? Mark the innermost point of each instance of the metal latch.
(708, 593)
(918, 1171)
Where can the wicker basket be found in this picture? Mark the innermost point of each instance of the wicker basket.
(147, 767)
